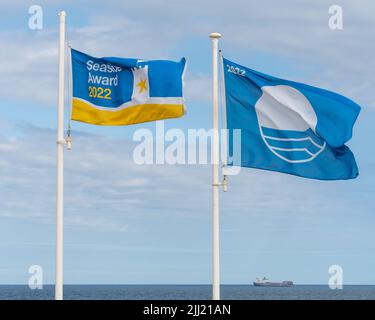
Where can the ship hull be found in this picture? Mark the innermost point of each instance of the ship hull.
(273, 284)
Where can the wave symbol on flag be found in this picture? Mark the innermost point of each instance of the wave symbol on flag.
(287, 123)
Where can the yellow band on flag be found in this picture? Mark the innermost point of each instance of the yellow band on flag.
(85, 112)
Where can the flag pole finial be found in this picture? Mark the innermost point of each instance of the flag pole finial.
(215, 35)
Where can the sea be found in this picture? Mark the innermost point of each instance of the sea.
(189, 292)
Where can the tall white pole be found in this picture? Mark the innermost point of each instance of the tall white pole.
(215, 171)
(60, 165)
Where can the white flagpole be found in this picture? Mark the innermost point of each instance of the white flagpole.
(60, 164)
(215, 171)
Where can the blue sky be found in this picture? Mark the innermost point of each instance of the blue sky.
(130, 224)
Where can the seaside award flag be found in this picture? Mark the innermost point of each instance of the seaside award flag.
(119, 91)
(287, 126)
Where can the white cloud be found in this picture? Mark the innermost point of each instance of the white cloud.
(338, 60)
(105, 189)
(95, 223)
(298, 32)
(198, 88)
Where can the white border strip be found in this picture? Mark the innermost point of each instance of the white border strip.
(165, 101)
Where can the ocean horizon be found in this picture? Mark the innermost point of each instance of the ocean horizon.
(188, 292)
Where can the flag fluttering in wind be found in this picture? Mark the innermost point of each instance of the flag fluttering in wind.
(120, 91)
(289, 127)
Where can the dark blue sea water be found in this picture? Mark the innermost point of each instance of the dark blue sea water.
(187, 292)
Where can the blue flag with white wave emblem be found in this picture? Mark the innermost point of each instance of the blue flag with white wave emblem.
(287, 126)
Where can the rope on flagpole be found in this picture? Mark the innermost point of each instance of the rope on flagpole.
(224, 124)
(68, 138)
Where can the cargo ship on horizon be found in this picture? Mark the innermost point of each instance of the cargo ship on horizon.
(264, 282)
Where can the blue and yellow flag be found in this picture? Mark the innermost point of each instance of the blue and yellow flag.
(119, 91)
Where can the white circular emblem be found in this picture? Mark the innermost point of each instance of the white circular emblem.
(287, 123)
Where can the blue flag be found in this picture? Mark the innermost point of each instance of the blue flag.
(121, 91)
(287, 126)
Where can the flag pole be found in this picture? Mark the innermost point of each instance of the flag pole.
(60, 164)
(215, 171)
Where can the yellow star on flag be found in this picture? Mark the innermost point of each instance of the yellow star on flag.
(142, 85)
